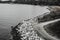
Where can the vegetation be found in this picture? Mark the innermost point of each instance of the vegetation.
(48, 17)
(15, 34)
(53, 29)
(33, 2)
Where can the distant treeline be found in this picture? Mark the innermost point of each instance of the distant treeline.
(33, 2)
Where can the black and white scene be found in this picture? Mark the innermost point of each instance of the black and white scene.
(32, 2)
(29, 20)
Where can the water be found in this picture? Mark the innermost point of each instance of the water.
(12, 14)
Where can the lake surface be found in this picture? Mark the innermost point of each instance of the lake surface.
(12, 14)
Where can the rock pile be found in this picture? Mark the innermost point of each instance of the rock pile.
(24, 32)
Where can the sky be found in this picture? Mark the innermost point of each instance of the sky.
(12, 14)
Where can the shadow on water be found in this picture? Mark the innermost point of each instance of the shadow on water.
(4, 34)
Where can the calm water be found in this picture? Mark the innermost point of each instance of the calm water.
(12, 14)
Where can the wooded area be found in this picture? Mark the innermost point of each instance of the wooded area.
(33, 2)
